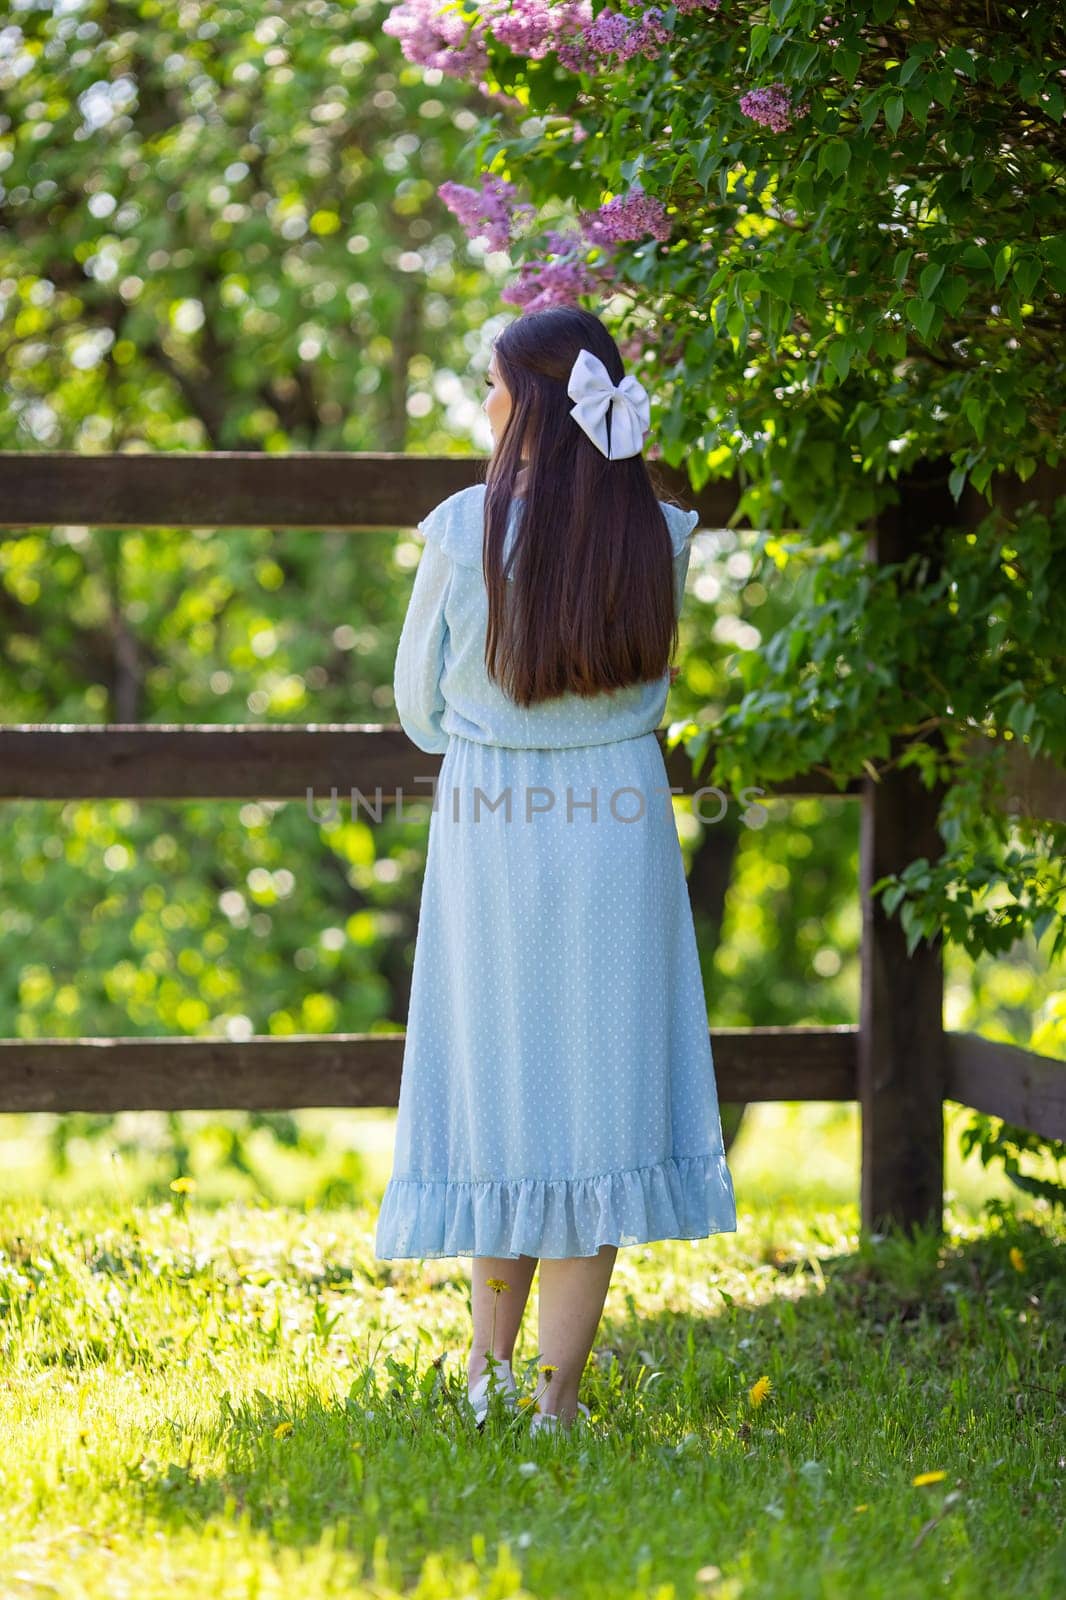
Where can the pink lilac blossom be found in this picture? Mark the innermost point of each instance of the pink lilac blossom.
(570, 21)
(609, 34)
(431, 37)
(653, 32)
(615, 36)
(771, 107)
(527, 28)
(442, 35)
(555, 243)
(490, 211)
(626, 217)
(541, 284)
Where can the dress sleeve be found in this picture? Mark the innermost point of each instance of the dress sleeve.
(681, 561)
(420, 704)
(434, 525)
(682, 524)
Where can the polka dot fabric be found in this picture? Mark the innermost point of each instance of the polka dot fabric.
(558, 1088)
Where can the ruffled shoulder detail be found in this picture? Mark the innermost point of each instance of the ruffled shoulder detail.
(456, 525)
(467, 533)
(680, 524)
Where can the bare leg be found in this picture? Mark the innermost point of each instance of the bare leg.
(572, 1293)
(518, 1273)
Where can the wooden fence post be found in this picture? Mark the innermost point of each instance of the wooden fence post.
(901, 1055)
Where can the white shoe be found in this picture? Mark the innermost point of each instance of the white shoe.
(547, 1421)
(478, 1393)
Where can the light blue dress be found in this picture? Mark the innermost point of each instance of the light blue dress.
(558, 1090)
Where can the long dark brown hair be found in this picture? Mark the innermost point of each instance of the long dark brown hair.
(590, 602)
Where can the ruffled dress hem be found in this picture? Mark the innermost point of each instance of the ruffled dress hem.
(687, 1197)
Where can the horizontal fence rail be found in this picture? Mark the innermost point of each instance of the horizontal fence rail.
(281, 761)
(1004, 1081)
(327, 489)
(345, 1070)
(302, 1070)
(139, 761)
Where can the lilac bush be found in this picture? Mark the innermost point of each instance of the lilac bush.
(830, 242)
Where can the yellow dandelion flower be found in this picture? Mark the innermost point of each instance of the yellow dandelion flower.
(525, 1400)
(1017, 1260)
(183, 1185)
(547, 1366)
(864, 1507)
(759, 1390)
(496, 1284)
(928, 1477)
(283, 1430)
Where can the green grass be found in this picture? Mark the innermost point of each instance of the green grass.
(155, 1355)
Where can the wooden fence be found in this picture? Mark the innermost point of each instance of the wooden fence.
(898, 1062)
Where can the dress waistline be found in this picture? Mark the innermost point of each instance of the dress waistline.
(592, 744)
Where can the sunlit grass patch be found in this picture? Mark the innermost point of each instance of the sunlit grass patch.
(240, 1400)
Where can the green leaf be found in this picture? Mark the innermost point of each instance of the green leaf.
(839, 357)
(909, 67)
(944, 86)
(779, 281)
(1026, 274)
(975, 255)
(804, 59)
(961, 60)
(929, 277)
(797, 641)
(894, 108)
(1002, 264)
(847, 63)
(835, 155)
(975, 413)
(954, 292)
(1000, 69)
(921, 314)
(757, 41)
(917, 102)
(737, 325)
(982, 176)
(892, 896)
(1021, 716)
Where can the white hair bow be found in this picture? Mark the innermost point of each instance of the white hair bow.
(591, 387)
